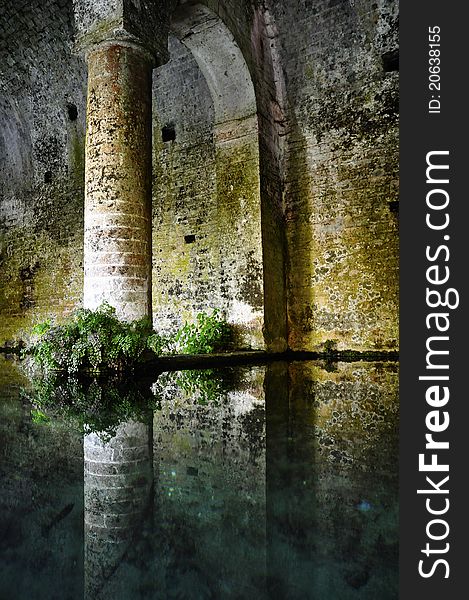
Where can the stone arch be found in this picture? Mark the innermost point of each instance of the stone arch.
(220, 60)
(208, 247)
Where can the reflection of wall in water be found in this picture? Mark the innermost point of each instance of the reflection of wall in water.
(210, 496)
(301, 490)
(293, 476)
(41, 499)
(118, 481)
(332, 493)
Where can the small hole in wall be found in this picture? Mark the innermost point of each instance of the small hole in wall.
(72, 112)
(394, 206)
(168, 133)
(189, 239)
(391, 61)
(47, 176)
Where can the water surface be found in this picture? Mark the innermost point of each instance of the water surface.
(262, 482)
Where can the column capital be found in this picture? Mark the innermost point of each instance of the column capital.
(143, 24)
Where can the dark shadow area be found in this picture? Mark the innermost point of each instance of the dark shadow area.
(391, 61)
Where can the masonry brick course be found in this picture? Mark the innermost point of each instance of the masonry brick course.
(327, 175)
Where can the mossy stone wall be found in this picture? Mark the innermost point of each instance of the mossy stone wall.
(42, 124)
(207, 245)
(341, 173)
(326, 88)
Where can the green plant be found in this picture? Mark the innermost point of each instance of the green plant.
(93, 341)
(209, 333)
(330, 347)
(38, 417)
(97, 341)
(41, 328)
(200, 386)
(159, 344)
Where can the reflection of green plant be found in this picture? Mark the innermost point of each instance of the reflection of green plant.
(209, 334)
(207, 385)
(97, 341)
(92, 405)
(100, 405)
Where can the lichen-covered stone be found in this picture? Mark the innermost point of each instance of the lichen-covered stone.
(207, 244)
(341, 175)
(143, 23)
(326, 98)
(42, 123)
(118, 182)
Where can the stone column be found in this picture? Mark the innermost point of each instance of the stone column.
(117, 257)
(122, 41)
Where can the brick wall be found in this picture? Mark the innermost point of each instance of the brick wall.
(326, 88)
(42, 119)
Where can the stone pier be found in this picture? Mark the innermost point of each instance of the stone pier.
(117, 250)
(122, 42)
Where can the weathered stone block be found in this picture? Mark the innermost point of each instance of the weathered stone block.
(144, 23)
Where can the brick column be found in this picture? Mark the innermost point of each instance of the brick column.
(122, 40)
(117, 258)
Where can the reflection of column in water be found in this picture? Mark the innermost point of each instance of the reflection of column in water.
(118, 484)
(278, 480)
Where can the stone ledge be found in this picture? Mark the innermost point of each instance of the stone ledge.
(250, 357)
(180, 362)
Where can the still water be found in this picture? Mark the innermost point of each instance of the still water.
(265, 482)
